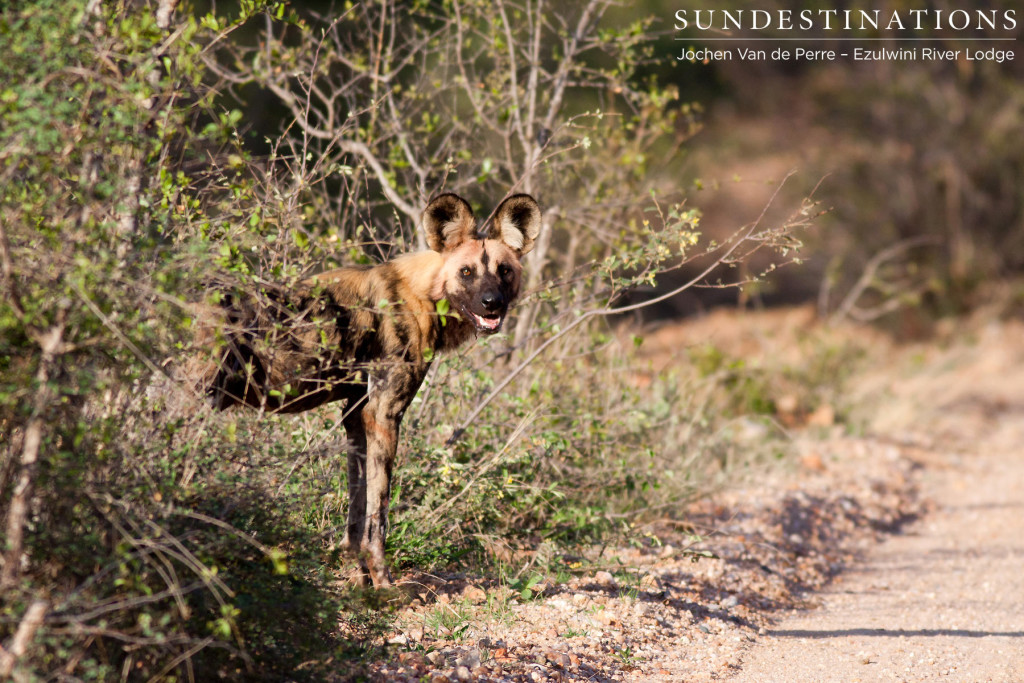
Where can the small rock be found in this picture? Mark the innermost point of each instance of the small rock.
(559, 659)
(434, 657)
(411, 658)
(471, 659)
(462, 673)
(604, 578)
(648, 581)
(474, 594)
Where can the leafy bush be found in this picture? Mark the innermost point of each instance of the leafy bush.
(165, 542)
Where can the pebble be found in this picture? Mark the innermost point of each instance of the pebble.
(470, 659)
(475, 595)
(559, 659)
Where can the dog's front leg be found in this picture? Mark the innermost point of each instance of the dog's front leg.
(355, 528)
(381, 445)
(391, 393)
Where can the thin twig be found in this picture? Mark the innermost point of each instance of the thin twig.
(871, 269)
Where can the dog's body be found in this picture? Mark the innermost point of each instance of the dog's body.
(367, 335)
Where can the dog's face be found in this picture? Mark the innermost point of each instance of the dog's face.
(480, 275)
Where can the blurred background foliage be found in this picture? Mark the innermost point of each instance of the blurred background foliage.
(914, 159)
(148, 148)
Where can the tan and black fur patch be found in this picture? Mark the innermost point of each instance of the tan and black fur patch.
(367, 336)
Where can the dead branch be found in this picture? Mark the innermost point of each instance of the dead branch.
(30, 623)
(867, 277)
(51, 344)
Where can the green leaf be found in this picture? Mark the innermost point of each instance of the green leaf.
(442, 307)
(279, 559)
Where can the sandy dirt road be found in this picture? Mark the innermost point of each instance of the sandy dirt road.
(944, 599)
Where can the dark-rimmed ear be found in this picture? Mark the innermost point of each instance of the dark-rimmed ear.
(448, 221)
(517, 223)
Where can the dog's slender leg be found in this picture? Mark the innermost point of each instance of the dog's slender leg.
(392, 391)
(381, 444)
(355, 528)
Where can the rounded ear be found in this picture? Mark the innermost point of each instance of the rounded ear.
(448, 221)
(517, 223)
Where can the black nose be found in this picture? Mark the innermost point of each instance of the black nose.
(491, 301)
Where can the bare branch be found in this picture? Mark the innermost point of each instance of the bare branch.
(17, 513)
(867, 277)
(467, 86)
(355, 147)
(30, 623)
(517, 116)
(360, 149)
(569, 60)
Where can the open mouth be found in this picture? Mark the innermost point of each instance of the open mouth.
(487, 323)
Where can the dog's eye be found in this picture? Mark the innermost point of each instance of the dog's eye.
(504, 271)
(466, 271)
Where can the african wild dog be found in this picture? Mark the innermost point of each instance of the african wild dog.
(367, 335)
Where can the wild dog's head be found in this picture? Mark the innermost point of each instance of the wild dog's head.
(480, 275)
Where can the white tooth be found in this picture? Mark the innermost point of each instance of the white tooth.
(487, 323)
